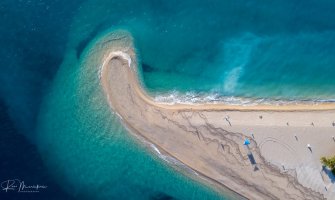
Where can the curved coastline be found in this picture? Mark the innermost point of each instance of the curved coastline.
(201, 126)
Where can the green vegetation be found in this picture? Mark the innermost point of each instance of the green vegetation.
(329, 162)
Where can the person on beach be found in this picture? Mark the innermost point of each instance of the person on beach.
(296, 137)
(227, 119)
(309, 147)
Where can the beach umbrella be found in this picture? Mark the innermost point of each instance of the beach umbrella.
(246, 142)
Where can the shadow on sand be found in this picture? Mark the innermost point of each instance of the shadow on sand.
(253, 161)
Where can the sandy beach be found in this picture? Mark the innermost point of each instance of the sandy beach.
(209, 138)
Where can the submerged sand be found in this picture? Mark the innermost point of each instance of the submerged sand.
(209, 137)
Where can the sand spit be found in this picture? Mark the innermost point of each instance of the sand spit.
(209, 138)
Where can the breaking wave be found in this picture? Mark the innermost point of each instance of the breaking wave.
(176, 97)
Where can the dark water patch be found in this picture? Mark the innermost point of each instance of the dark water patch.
(21, 160)
(147, 68)
(162, 196)
(34, 35)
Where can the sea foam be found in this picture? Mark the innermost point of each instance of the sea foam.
(175, 97)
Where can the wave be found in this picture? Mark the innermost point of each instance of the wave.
(175, 97)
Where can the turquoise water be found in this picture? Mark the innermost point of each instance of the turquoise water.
(254, 49)
(189, 50)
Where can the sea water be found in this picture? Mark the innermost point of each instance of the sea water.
(242, 49)
(236, 51)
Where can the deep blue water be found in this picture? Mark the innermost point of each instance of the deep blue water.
(21, 160)
(33, 40)
(233, 48)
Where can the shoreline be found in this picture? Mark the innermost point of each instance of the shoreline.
(189, 98)
(197, 132)
(187, 170)
(182, 167)
(321, 106)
